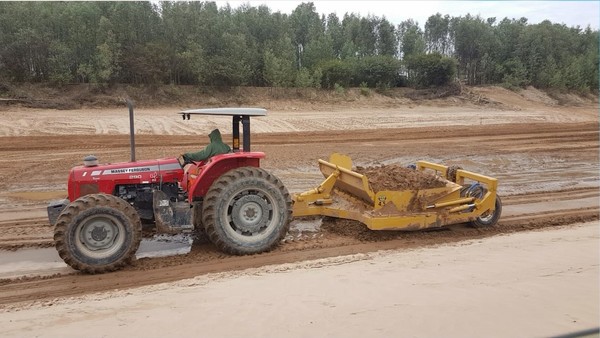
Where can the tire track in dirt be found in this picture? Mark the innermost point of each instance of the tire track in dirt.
(509, 134)
(546, 196)
(570, 139)
(28, 232)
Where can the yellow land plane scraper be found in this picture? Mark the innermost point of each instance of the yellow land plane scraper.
(466, 197)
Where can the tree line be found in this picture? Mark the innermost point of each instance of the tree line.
(199, 43)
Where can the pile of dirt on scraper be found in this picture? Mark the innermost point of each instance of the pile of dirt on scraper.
(395, 177)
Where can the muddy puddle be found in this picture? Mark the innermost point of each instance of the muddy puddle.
(46, 262)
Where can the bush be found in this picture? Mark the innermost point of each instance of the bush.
(364, 89)
(380, 71)
(303, 78)
(426, 70)
(336, 72)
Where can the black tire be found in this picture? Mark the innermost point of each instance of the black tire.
(489, 219)
(200, 236)
(247, 211)
(82, 234)
(451, 172)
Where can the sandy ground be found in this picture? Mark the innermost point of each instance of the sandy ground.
(534, 284)
(165, 121)
(502, 106)
(516, 279)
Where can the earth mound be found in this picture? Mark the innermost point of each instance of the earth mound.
(395, 177)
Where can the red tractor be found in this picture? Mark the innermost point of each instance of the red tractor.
(242, 208)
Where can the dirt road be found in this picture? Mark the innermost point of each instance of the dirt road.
(534, 284)
(545, 157)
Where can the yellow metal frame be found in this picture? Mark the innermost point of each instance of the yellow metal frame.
(393, 210)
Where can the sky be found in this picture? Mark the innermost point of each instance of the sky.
(570, 13)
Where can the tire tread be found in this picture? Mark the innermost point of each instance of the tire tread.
(86, 202)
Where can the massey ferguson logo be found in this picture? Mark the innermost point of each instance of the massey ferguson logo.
(129, 170)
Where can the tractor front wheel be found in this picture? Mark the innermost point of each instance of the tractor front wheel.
(246, 211)
(98, 233)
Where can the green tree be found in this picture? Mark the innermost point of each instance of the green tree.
(60, 63)
(437, 34)
(411, 38)
(514, 73)
(317, 51)
(335, 33)
(387, 40)
(107, 58)
(228, 65)
(306, 25)
(278, 71)
(472, 39)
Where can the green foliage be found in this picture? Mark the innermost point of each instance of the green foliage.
(411, 38)
(303, 79)
(387, 40)
(108, 54)
(376, 71)
(428, 70)
(278, 72)
(339, 89)
(336, 72)
(306, 79)
(209, 43)
(316, 78)
(437, 34)
(317, 51)
(514, 74)
(473, 38)
(229, 64)
(59, 63)
(364, 89)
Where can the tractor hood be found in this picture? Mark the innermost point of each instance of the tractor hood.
(103, 178)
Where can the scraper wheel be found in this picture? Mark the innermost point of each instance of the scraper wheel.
(489, 219)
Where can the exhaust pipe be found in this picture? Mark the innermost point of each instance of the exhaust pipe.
(131, 129)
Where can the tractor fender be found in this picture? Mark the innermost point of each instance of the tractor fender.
(217, 166)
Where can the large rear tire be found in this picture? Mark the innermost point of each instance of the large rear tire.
(98, 233)
(247, 211)
(489, 219)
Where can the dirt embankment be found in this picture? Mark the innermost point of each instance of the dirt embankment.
(78, 96)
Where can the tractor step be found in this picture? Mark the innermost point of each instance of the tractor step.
(171, 217)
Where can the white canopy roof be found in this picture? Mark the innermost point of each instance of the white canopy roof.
(226, 111)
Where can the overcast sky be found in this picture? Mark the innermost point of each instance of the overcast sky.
(571, 13)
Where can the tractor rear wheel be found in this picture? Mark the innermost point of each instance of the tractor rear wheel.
(247, 211)
(98, 233)
(489, 218)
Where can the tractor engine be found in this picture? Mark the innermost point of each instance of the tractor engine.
(134, 182)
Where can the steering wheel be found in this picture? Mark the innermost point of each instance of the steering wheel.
(184, 160)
